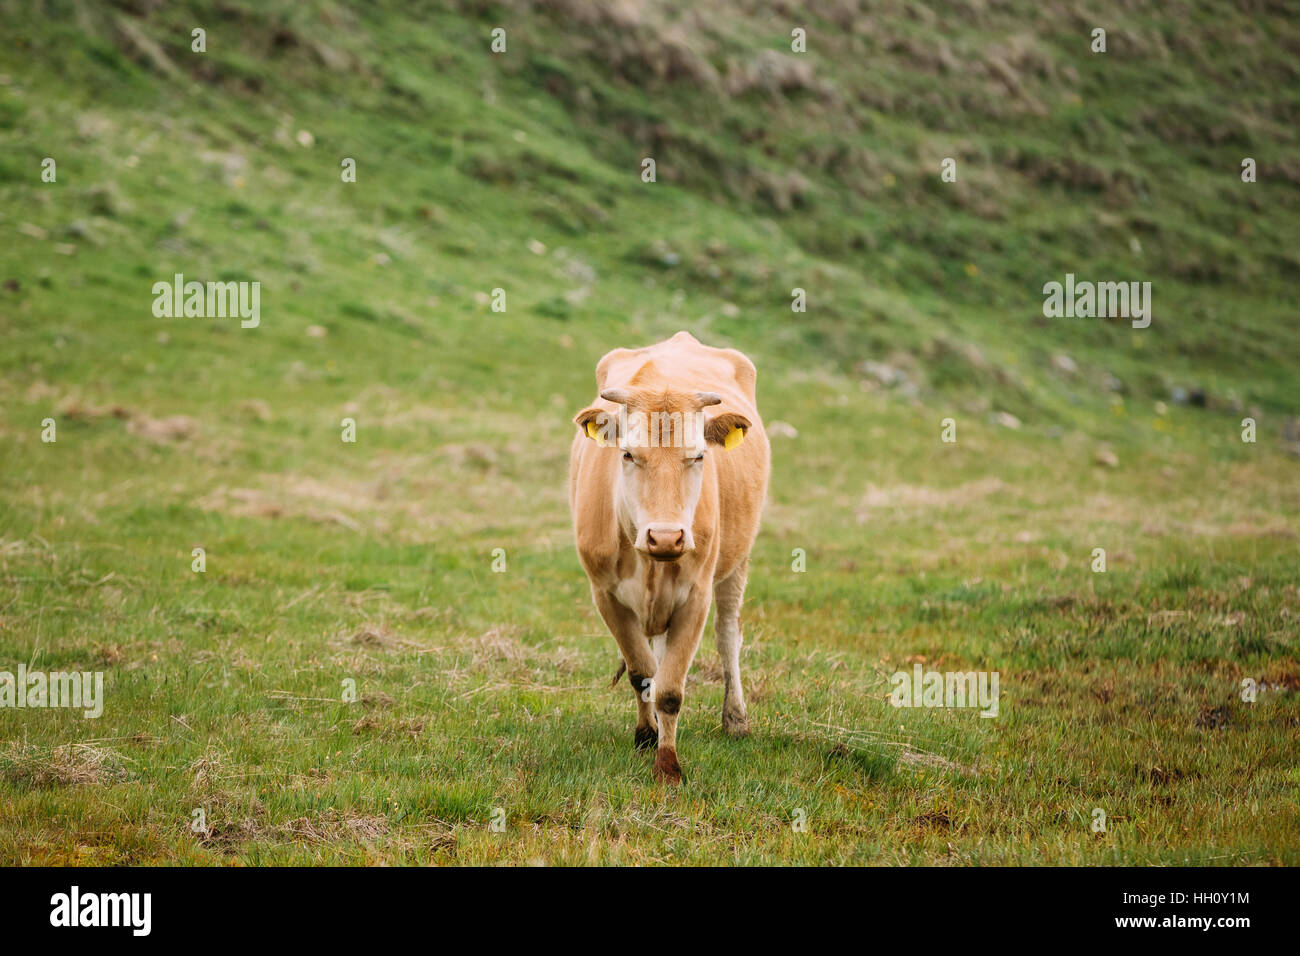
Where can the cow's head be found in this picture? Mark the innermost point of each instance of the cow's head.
(664, 439)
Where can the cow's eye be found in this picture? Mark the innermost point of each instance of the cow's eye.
(627, 456)
(698, 458)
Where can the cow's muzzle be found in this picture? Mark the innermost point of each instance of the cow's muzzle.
(664, 542)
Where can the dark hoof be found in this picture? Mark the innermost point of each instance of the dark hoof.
(667, 769)
(645, 738)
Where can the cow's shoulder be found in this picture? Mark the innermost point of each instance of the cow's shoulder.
(746, 374)
(591, 497)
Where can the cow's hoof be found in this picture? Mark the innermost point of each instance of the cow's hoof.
(667, 769)
(645, 738)
(735, 723)
(736, 728)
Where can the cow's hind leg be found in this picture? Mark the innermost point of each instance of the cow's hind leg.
(728, 594)
(641, 665)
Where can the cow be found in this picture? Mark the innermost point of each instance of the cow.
(667, 478)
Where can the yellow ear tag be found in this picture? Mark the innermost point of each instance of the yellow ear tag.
(734, 438)
(593, 431)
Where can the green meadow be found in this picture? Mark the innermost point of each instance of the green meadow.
(429, 565)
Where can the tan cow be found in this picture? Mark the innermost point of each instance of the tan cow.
(667, 478)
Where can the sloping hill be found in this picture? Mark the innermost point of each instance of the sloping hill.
(522, 172)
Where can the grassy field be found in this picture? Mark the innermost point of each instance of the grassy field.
(483, 696)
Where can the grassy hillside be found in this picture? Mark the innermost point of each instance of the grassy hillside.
(372, 561)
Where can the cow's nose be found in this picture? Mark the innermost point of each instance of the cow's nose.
(666, 544)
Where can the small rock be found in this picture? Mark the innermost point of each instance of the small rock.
(579, 270)
(1107, 458)
(660, 250)
(1063, 363)
(883, 373)
(780, 429)
(1006, 420)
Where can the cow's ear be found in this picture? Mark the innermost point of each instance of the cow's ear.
(598, 425)
(727, 430)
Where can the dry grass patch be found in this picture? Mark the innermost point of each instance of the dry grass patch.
(923, 498)
(63, 766)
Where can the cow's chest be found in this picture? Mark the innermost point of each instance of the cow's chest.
(653, 591)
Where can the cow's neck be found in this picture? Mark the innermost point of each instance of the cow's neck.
(660, 581)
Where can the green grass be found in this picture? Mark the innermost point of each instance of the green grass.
(372, 561)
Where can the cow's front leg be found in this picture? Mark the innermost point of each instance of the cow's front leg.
(684, 630)
(622, 623)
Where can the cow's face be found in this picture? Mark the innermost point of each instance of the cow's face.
(664, 441)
